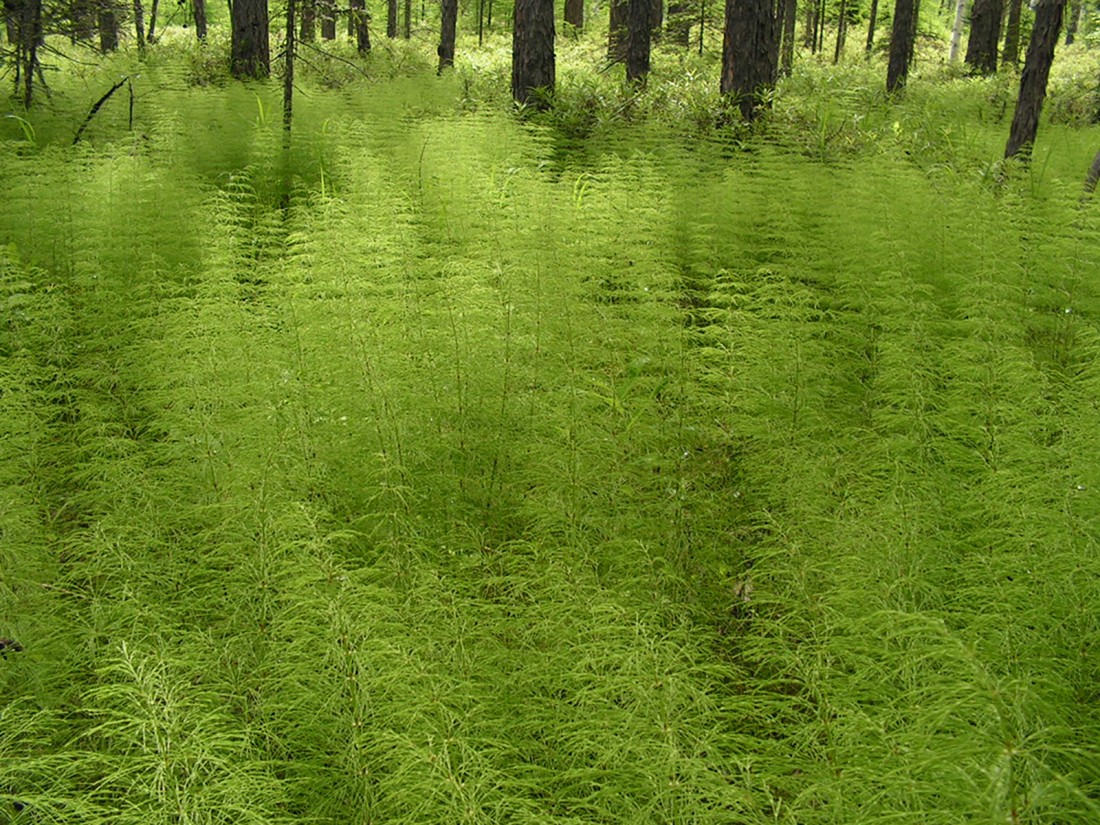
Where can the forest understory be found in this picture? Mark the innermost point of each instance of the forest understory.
(613, 464)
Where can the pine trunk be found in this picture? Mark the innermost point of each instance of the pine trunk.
(639, 28)
(680, 16)
(391, 19)
(574, 13)
(108, 30)
(199, 7)
(790, 14)
(533, 52)
(327, 10)
(618, 32)
(1033, 80)
(871, 28)
(448, 20)
(985, 36)
(1011, 54)
(748, 67)
(361, 25)
(901, 45)
(250, 52)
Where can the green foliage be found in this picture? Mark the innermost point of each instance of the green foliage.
(608, 466)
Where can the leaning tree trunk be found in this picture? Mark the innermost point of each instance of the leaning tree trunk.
(748, 64)
(1033, 80)
(871, 23)
(199, 7)
(1011, 54)
(533, 52)
(639, 28)
(250, 53)
(901, 45)
(618, 31)
(449, 18)
(360, 24)
(985, 36)
(786, 56)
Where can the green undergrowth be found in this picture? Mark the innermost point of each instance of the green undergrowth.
(459, 468)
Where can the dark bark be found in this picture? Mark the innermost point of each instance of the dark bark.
(1033, 80)
(618, 31)
(656, 18)
(680, 16)
(24, 22)
(809, 33)
(83, 20)
(871, 28)
(407, 33)
(199, 7)
(639, 26)
(748, 67)
(574, 13)
(1093, 175)
(139, 26)
(108, 30)
(819, 44)
(360, 25)
(250, 55)
(152, 36)
(288, 71)
(448, 20)
(841, 30)
(326, 9)
(391, 19)
(790, 16)
(1074, 18)
(307, 28)
(533, 67)
(985, 36)
(1011, 54)
(901, 45)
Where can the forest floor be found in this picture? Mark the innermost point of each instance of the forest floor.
(605, 466)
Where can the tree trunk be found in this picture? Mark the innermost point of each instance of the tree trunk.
(151, 37)
(790, 13)
(956, 31)
(448, 21)
(139, 26)
(1076, 9)
(656, 18)
(200, 18)
(809, 36)
(108, 30)
(391, 19)
(639, 28)
(618, 31)
(407, 33)
(327, 10)
(361, 25)
(307, 28)
(679, 23)
(748, 70)
(871, 28)
(1033, 80)
(819, 46)
(250, 54)
(985, 36)
(24, 19)
(288, 73)
(533, 52)
(1011, 54)
(901, 45)
(841, 30)
(574, 13)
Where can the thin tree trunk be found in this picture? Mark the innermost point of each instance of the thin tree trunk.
(448, 19)
(679, 23)
(307, 28)
(391, 19)
(956, 30)
(288, 72)
(748, 72)
(1033, 80)
(871, 28)
(30, 38)
(1011, 54)
(361, 24)
(200, 18)
(408, 19)
(790, 14)
(985, 36)
(1093, 175)
(809, 36)
(639, 30)
(533, 69)
(151, 37)
(901, 46)
(327, 9)
(1076, 9)
(821, 18)
(139, 26)
(841, 30)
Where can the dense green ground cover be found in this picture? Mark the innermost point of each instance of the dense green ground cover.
(606, 468)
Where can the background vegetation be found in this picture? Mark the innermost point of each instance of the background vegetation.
(609, 465)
